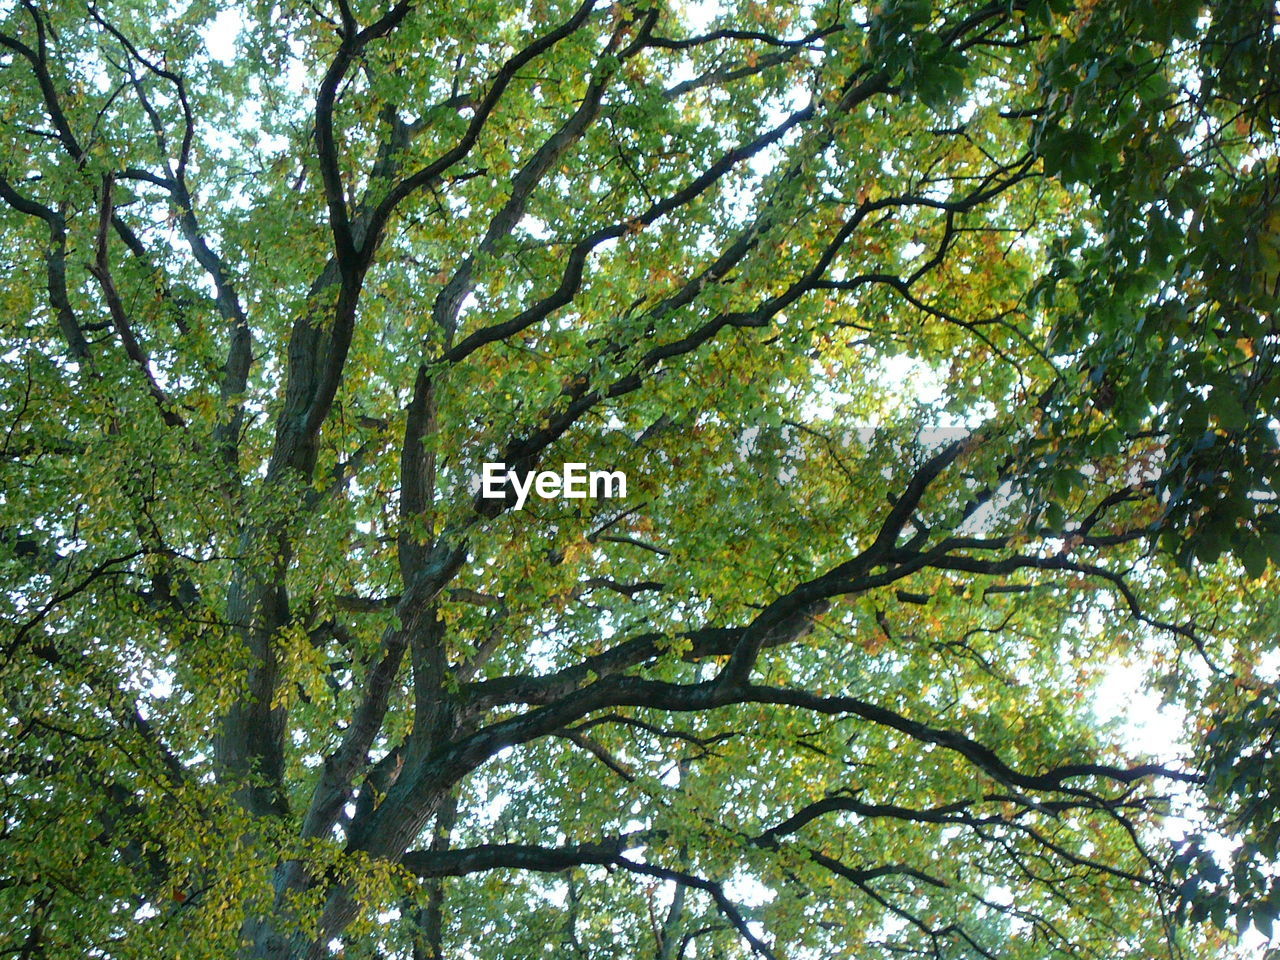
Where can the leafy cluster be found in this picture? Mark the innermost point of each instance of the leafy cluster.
(936, 341)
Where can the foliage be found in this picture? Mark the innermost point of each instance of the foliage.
(1242, 778)
(936, 342)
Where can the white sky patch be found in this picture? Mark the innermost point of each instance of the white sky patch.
(698, 16)
(220, 37)
(145, 912)
(1145, 726)
(920, 380)
(747, 891)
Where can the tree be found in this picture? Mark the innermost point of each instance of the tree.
(912, 328)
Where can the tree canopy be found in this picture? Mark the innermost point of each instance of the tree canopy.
(936, 342)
